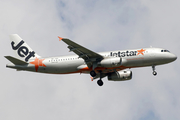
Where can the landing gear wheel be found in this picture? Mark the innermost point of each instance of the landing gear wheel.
(93, 73)
(154, 73)
(100, 82)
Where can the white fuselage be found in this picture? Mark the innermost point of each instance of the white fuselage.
(74, 64)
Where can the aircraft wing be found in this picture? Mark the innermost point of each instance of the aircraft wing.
(82, 52)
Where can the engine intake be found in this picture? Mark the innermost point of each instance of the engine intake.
(120, 75)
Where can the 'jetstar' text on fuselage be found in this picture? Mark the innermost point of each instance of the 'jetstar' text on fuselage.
(123, 54)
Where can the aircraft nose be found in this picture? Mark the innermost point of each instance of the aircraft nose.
(173, 57)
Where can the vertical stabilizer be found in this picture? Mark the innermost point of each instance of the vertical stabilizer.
(22, 50)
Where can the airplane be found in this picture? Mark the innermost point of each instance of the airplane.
(115, 65)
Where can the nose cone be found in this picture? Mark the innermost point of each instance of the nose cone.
(172, 57)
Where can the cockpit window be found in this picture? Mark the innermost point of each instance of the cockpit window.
(165, 51)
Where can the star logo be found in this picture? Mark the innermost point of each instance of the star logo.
(141, 51)
(60, 38)
(38, 62)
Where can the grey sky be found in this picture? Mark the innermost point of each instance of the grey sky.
(100, 26)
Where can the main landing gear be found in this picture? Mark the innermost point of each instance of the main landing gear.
(93, 73)
(99, 82)
(154, 72)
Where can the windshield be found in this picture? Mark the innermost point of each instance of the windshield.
(165, 51)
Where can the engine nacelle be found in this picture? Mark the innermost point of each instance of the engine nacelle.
(111, 62)
(120, 75)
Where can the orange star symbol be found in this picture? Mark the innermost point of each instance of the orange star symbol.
(38, 62)
(60, 38)
(141, 51)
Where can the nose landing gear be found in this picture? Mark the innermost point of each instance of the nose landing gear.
(154, 72)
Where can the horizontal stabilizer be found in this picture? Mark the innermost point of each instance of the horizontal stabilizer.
(21, 48)
(15, 60)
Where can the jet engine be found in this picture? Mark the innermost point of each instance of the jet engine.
(111, 62)
(120, 75)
